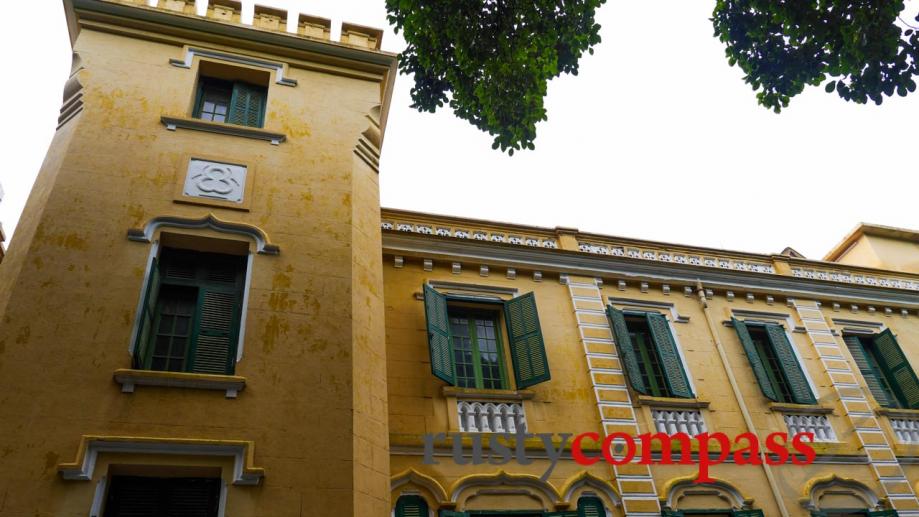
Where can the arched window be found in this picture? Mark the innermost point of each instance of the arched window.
(411, 506)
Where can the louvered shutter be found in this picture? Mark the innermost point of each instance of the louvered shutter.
(871, 376)
(626, 348)
(451, 513)
(797, 382)
(672, 513)
(247, 105)
(192, 497)
(560, 514)
(528, 351)
(670, 356)
(883, 513)
(899, 372)
(759, 369)
(147, 313)
(219, 301)
(216, 329)
(747, 513)
(411, 506)
(590, 507)
(438, 323)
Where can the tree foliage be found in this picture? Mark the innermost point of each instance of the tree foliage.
(491, 60)
(784, 45)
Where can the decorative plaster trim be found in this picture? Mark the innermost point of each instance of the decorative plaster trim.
(503, 478)
(809, 495)
(173, 123)
(442, 285)
(648, 304)
(673, 488)
(191, 52)
(434, 488)
(210, 221)
(129, 378)
(243, 452)
(524, 257)
(586, 479)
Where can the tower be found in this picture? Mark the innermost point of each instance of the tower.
(194, 290)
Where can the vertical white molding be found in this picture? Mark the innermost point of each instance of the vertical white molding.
(244, 310)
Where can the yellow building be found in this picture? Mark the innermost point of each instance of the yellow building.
(206, 312)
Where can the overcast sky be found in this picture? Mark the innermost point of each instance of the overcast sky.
(657, 138)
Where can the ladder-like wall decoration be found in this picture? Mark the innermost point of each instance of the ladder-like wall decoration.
(636, 486)
(880, 455)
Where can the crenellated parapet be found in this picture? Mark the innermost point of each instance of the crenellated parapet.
(269, 19)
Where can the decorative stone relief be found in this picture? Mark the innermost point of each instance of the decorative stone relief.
(215, 180)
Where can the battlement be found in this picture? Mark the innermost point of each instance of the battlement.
(269, 18)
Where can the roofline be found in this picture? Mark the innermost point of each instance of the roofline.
(880, 230)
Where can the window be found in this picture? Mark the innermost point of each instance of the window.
(130, 496)
(191, 313)
(649, 352)
(774, 362)
(232, 102)
(465, 346)
(477, 350)
(411, 506)
(885, 368)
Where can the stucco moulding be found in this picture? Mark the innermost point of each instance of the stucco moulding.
(263, 244)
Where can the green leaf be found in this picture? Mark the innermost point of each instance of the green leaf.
(830, 86)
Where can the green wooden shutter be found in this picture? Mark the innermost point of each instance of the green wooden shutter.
(883, 513)
(626, 349)
(218, 326)
(759, 369)
(247, 105)
(670, 356)
(147, 314)
(451, 513)
(871, 375)
(561, 514)
(797, 382)
(411, 506)
(528, 351)
(747, 513)
(438, 323)
(590, 507)
(899, 373)
(671, 513)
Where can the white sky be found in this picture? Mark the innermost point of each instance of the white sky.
(657, 138)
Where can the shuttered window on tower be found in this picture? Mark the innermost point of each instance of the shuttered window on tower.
(886, 371)
(775, 364)
(649, 353)
(136, 496)
(465, 342)
(191, 313)
(411, 506)
(231, 102)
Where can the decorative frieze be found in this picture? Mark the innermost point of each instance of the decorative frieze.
(477, 235)
(676, 258)
(855, 278)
